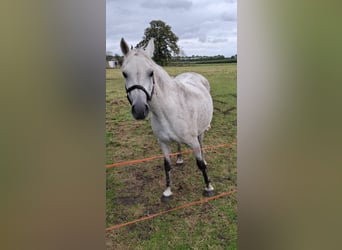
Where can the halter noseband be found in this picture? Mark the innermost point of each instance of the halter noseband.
(137, 86)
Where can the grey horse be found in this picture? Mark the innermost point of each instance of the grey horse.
(181, 107)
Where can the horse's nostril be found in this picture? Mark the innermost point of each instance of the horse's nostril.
(140, 112)
(134, 111)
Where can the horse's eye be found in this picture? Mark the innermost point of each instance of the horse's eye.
(124, 74)
(151, 74)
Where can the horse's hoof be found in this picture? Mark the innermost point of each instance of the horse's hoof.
(166, 198)
(207, 193)
(179, 162)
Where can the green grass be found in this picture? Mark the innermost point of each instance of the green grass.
(134, 191)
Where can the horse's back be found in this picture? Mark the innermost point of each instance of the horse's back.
(194, 79)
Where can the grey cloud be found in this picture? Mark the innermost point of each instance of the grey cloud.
(179, 4)
(218, 40)
(202, 38)
(170, 4)
(187, 31)
(200, 25)
(152, 4)
(225, 16)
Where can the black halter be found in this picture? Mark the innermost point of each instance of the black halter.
(149, 96)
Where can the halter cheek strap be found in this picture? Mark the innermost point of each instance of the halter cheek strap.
(137, 86)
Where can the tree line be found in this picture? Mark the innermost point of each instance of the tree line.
(166, 49)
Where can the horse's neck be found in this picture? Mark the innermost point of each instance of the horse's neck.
(163, 82)
(163, 88)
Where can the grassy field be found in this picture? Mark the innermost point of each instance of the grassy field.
(134, 191)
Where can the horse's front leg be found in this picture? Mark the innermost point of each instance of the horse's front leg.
(167, 194)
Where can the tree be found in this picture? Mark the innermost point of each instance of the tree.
(109, 55)
(119, 59)
(165, 41)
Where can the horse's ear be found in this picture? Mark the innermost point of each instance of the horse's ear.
(124, 47)
(149, 49)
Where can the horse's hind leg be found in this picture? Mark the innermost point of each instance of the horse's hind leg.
(167, 194)
(202, 165)
(179, 156)
(209, 189)
(200, 140)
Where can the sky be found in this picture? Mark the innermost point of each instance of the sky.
(204, 27)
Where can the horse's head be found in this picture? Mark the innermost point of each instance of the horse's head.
(137, 70)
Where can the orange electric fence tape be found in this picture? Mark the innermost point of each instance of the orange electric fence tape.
(171, 210)
(119, 164)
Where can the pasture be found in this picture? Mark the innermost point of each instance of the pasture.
(134, 191)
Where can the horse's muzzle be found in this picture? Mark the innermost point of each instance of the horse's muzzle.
(140, 110)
